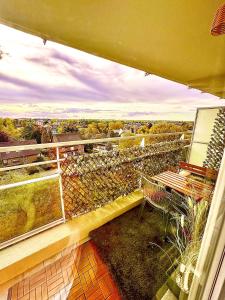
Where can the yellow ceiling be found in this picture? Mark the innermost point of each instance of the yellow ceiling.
(168, 38)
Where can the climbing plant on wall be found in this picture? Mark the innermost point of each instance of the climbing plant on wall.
(92, 180)
(217, 142)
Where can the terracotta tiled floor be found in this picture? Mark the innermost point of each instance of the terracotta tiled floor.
(81, 274)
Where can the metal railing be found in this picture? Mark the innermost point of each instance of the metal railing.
(56, 174)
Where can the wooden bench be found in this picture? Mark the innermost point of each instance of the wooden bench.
(187, 186)
(204, 172)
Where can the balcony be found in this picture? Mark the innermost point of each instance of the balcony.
(72, 225)
(49, 207)
(53, 206)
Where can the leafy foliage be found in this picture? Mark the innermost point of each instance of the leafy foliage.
(217, 142)
(32, 170)
(165, 127)
(101, 129)
(90, 181)
(187, 238)
(8, 127)
(125, 144)
(4, 137)
(31, 131)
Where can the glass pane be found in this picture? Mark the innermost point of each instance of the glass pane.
(28, 207)
(23, 174)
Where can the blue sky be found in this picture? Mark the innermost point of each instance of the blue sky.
(55, 81)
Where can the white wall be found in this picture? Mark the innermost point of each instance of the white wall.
(204, 122)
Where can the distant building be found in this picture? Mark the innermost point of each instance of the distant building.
(68, 137)
(118, 132)
(104, 147)
(39, 122)
(54, 129)
(12, 158)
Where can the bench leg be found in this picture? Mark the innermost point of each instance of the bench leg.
(167, 217)
(140, 213)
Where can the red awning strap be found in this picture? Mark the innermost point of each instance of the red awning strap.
(218, 26)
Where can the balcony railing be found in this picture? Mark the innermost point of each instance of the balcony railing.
(71, 185)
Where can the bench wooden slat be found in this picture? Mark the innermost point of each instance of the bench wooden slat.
(202, 171)
(193, 168)
(183, 180)
(179, 183)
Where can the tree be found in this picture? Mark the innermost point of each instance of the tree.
(116, 125)
(103, 127)
(7, 125)
(164, 127)
(1, 124)
(46, 135)
(143, 129)
(124, 144)
(4, 137)
(32, 132)
(37, 135)
(59, 129)
(27, 132)
(70, 128)
(92, 128)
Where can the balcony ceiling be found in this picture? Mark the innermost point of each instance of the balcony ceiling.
(168, 38)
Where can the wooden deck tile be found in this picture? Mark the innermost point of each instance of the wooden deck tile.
(79, 275)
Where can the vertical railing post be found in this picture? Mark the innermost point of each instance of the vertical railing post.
(142, 145)
(60, 183)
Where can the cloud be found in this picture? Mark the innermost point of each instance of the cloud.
(62, 81)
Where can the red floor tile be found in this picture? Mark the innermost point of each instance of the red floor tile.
(79, 275)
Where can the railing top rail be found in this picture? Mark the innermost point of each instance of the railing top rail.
(83, 142)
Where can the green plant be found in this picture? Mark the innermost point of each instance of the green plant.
(32, 170)
(4, 137)
(46, 167)
(217, 142)
(187, 239)
(40, 159)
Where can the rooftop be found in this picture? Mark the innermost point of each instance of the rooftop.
(18, 154)
(66, 137)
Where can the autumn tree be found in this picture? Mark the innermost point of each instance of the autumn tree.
(27, 132)
(124, 144)
(92, 128)
(165, 127)
(70, 128)
(1, 124)
(46, 135)
(102, 127)
(116, 125)
(143, 129)
(31, 131)
(4, 137)
(7, 125)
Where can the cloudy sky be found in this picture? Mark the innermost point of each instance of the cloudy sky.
(54, 81)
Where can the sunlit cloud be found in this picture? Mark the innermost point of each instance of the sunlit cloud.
(55, 81)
